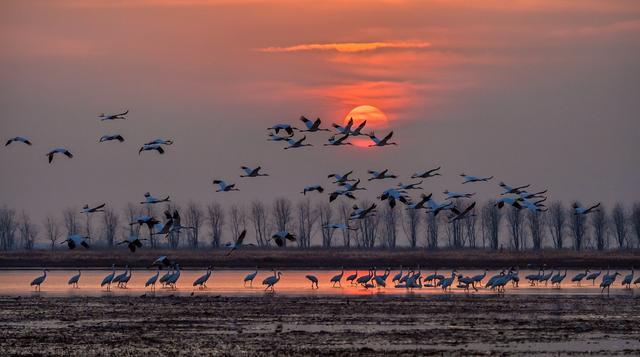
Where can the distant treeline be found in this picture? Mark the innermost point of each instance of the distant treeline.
(488, 227)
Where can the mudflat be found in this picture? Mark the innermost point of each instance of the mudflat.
(320, 325)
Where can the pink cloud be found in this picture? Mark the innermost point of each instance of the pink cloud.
(349, 47)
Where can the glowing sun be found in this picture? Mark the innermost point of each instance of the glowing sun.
(375, 118)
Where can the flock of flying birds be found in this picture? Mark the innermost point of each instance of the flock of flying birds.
(515, 196)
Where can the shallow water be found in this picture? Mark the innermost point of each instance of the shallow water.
(293, 282)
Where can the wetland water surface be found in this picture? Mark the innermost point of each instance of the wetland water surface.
(293, 282)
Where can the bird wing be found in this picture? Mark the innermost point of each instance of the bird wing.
(220, 183)
(386, 138)
(341, 139)
(306, 121)
(349, 125)
(301, 140)
(241, 237)
(469, 208)
(289, 130)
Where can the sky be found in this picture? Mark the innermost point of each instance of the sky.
(539, 92)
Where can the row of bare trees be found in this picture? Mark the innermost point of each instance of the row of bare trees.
(487, 227)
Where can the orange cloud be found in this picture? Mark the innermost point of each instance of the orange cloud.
(348, 46)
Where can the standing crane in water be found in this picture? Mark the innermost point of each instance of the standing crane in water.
(337, 278)
(73, 281)
(250, 277)
(109, 278)
(313, 279)
(37, 282)
(578, 277)
(351, 278)
(271, 281)
(152, 281)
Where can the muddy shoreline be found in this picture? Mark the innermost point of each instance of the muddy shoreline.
(322, 258)
(280, 325)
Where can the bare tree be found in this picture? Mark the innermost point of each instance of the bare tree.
(578, 229)
(194, 219)
(131, 212)
(469, 229)
(619, 217)
(516, 228)
(282, 214)
(28, 231)
(454, 230)
(368, 229)
(325, 213)
(635, 221)
(491, 217)
(390, 222)
(556, 222)
(599, 224)
(410, 226)
(535, 222)
(306, 221)
(345, 213)
(238, 220)
(260, 223)
(71, 221)
(87, 221)
(52, 227)
(8, 227)
(110, 223)
(432, 230)
(215, 217)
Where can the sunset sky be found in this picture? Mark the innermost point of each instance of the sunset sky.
(540, 92)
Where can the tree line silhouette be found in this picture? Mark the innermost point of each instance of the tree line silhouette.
(487, 228)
